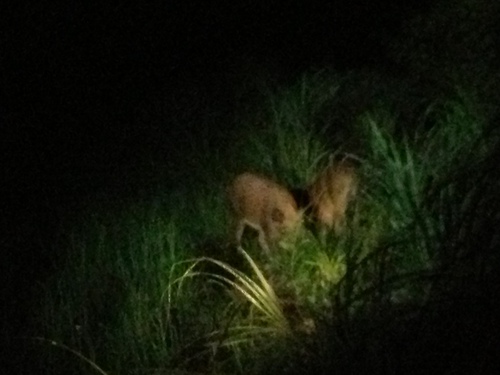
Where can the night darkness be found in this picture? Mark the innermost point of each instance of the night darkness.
(78, 82)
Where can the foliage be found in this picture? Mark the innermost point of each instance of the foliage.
(153, 285)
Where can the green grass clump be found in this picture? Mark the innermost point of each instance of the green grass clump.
(286, 135)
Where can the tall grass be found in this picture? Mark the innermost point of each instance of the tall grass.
(157, 287)
(104, 302)
(286, 136)
(426, 215)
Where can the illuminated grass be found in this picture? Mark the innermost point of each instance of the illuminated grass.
(156, 286)
(285, 136)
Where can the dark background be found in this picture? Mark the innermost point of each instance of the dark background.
(75, 78)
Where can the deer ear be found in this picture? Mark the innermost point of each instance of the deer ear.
(277, 215)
